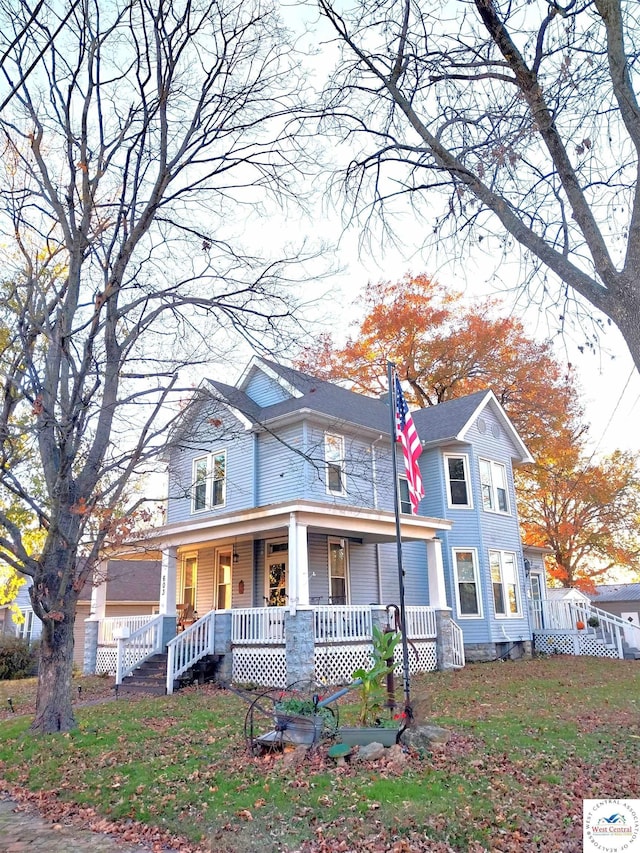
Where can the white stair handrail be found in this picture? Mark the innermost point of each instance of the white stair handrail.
(136, 647)
(186, 649)
(457, 642)
(629, 629)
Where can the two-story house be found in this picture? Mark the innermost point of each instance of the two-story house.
(279, 547)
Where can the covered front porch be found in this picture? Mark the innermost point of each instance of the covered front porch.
(287, 592)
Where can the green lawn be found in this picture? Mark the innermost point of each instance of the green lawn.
(529, 741)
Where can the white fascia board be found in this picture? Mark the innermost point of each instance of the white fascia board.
(323, 421)
(257, 521)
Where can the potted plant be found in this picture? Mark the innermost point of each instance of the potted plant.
(593, 622)
(371, 684)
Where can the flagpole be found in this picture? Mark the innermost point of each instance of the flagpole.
(396, 506)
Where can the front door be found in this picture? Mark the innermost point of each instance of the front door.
(276, 574)
(536, 602)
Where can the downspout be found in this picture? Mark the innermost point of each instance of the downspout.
(374, 474)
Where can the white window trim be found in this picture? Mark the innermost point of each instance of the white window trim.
(219, 553)
(209, 481)
(467, 470)
(520, 612)
(404, 480)
(476, 575)
(336, 540)
(340, 462)
(189, 555)
(494, 492)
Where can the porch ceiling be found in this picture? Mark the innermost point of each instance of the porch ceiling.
(369, 525)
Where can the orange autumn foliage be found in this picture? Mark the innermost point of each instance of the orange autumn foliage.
(586, 513)
(444, 350)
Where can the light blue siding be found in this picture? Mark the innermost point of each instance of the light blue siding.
(264, 390)
(211, 430)
(281, 470)
(359, 489)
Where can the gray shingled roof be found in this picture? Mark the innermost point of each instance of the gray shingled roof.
(131, 580)
(445, 420)
(617, 592)
(434, 424)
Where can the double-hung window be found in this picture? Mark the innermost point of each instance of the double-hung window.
(334, 460)
(457, 478)
(403, 491)
(504, 581)
(467, 582)
(493, 481)
(209, 481)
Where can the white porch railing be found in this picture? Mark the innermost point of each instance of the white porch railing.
(111, 624)
(421, 622)
(457, 641)
(565, 615)
(187, 648)
(257, 626)
(335, 623)
(138, 646)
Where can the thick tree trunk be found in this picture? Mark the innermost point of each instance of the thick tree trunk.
(53, 704)
(54, 595)
(627, 318)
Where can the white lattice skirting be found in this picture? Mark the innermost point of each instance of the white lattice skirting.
(106, 661)
(422, 657)
(565, 644)
(334, 664)
(264, 666)
(591, 646)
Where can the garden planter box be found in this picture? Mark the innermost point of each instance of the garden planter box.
(363, 735)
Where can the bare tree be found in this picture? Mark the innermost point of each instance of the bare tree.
(130, 155)
(518, 119)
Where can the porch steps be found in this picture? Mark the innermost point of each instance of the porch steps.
(150, 677)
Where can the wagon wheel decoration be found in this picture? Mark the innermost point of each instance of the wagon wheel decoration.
(292, 716)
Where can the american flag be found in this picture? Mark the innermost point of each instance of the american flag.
(407, 434)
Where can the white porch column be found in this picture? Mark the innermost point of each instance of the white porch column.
(168, 581)
(298, 581)
(435, 571)
(98, 608)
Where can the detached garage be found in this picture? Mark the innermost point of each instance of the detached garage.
(621, 599)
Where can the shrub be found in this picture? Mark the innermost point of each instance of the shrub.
(17, 660)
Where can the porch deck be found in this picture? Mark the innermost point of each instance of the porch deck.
(270, 646)
(556, 630)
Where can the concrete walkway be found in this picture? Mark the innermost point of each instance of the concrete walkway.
(26, 831)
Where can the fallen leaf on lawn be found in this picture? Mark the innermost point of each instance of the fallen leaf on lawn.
(245, 814)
